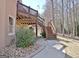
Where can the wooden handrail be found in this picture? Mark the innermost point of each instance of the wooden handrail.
(29, 8)
(26, 6)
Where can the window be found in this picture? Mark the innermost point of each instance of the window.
(10, 25)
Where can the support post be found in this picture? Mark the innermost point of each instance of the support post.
(36, 29)
(36, 25)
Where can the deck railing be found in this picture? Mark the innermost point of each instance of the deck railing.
(26, 9)
(41, 21)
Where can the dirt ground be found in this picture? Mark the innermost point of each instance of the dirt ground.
(72, 46)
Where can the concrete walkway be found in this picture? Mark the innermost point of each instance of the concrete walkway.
(53, 50)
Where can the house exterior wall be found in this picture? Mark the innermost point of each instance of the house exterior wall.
(7, 9)
(11, 12)
(19, 0)
(2, 23)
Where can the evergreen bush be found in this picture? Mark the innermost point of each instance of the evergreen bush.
(43, 34)
(24, 38)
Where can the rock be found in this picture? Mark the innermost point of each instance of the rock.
(14, 52)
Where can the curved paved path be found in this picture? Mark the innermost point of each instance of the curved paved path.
(53, 50)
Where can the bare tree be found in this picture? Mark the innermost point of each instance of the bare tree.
(76, 18)
(53, 10)
(73, 18)
(63, 16)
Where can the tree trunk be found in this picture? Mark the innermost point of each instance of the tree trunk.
(63, 17)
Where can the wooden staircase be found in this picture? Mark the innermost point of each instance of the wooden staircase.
(50, 32)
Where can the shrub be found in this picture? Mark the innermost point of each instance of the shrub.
(24, 38)
(43, 34)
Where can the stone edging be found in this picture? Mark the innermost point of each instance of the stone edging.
(36, 52)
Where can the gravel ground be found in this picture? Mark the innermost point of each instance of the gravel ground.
(13, 52)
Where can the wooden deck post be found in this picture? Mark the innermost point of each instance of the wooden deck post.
(36, 29)
(37, 25)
